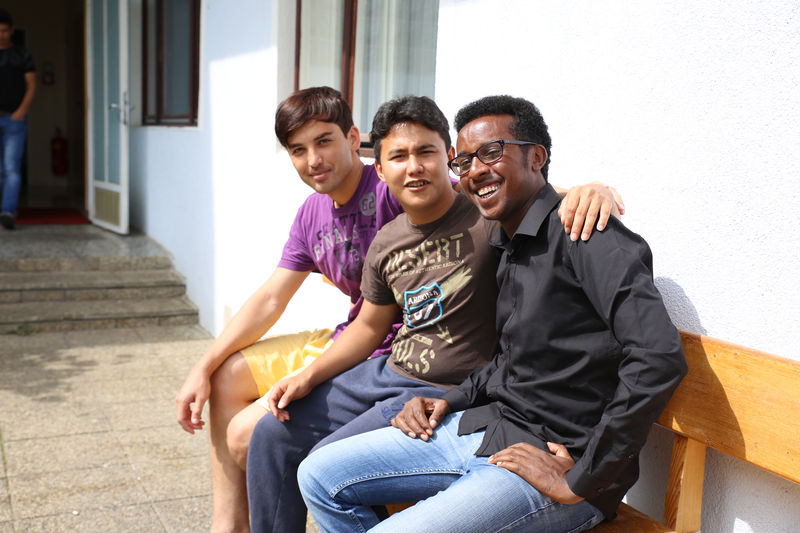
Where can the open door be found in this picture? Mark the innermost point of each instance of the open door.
(108, 113)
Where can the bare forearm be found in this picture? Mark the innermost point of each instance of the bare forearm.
(258, 314)
(253, 320)
(354, 345)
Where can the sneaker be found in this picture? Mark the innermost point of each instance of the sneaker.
(7, 220)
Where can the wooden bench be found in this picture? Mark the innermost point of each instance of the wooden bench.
(738, 401)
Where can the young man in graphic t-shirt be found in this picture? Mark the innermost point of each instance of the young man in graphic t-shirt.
(435, 265)
(441, 275)
(331, 235)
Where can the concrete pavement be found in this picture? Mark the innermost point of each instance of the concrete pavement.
(89, 438)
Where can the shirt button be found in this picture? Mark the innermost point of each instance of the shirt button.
(513, 303)
(511, 259)
(508, 347)
(631, 456)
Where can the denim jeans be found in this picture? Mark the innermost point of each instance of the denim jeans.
(464, 493)
(12, 144)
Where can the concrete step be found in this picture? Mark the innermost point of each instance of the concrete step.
(95, 285)
(97, 314)
(71, 264)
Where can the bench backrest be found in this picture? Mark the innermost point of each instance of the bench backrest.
(738, 401)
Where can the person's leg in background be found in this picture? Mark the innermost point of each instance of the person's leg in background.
(12, 146)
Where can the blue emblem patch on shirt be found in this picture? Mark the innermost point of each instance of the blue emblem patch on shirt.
(423, 305)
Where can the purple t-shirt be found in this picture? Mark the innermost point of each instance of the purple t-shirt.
(335, 241)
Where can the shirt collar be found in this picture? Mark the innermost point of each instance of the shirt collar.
(543, 204)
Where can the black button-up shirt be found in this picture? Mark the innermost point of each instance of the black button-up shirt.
(589, 355)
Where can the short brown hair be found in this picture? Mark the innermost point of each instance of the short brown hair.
(316, 103)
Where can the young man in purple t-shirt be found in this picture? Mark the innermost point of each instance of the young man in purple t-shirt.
(331, 235)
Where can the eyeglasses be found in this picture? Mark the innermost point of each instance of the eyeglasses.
(488, 154)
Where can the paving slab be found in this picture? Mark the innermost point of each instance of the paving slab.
(141, 414)
(34, 379)
(65, 453)
(140, 388)
(35, 496)
(26, 418)
(105, 337)
(153, 446)
(5, 504)
(187, 515)
(131, 519)
(184, 477)
(11, 344)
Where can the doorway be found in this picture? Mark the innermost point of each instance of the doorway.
(53, 30)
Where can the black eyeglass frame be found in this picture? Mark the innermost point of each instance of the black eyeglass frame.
(502, 143)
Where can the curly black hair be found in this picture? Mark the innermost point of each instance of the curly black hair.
(528, 123)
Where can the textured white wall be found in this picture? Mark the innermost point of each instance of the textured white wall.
(692, 110)
(221, 197)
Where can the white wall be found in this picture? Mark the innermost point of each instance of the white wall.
(692, 110)
(221, 197)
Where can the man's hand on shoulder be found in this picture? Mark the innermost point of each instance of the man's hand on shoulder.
(420, 416)
(585, 205)
(547, 472)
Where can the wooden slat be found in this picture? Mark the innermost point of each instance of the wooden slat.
(741, 402)
(629, 520)
(397, 507)
(684, 503)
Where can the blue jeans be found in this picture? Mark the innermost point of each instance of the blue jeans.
(362, 399)
(464, 493)
(12, 144)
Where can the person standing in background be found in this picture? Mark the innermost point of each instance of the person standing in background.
(17, 89)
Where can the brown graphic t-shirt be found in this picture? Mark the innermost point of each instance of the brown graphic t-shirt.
(442, 275)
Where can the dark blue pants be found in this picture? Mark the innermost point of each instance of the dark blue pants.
(361, 399)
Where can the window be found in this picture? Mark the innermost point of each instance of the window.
(370, 50)
(170, 59)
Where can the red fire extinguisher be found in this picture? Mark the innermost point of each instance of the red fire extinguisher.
(58, 148)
